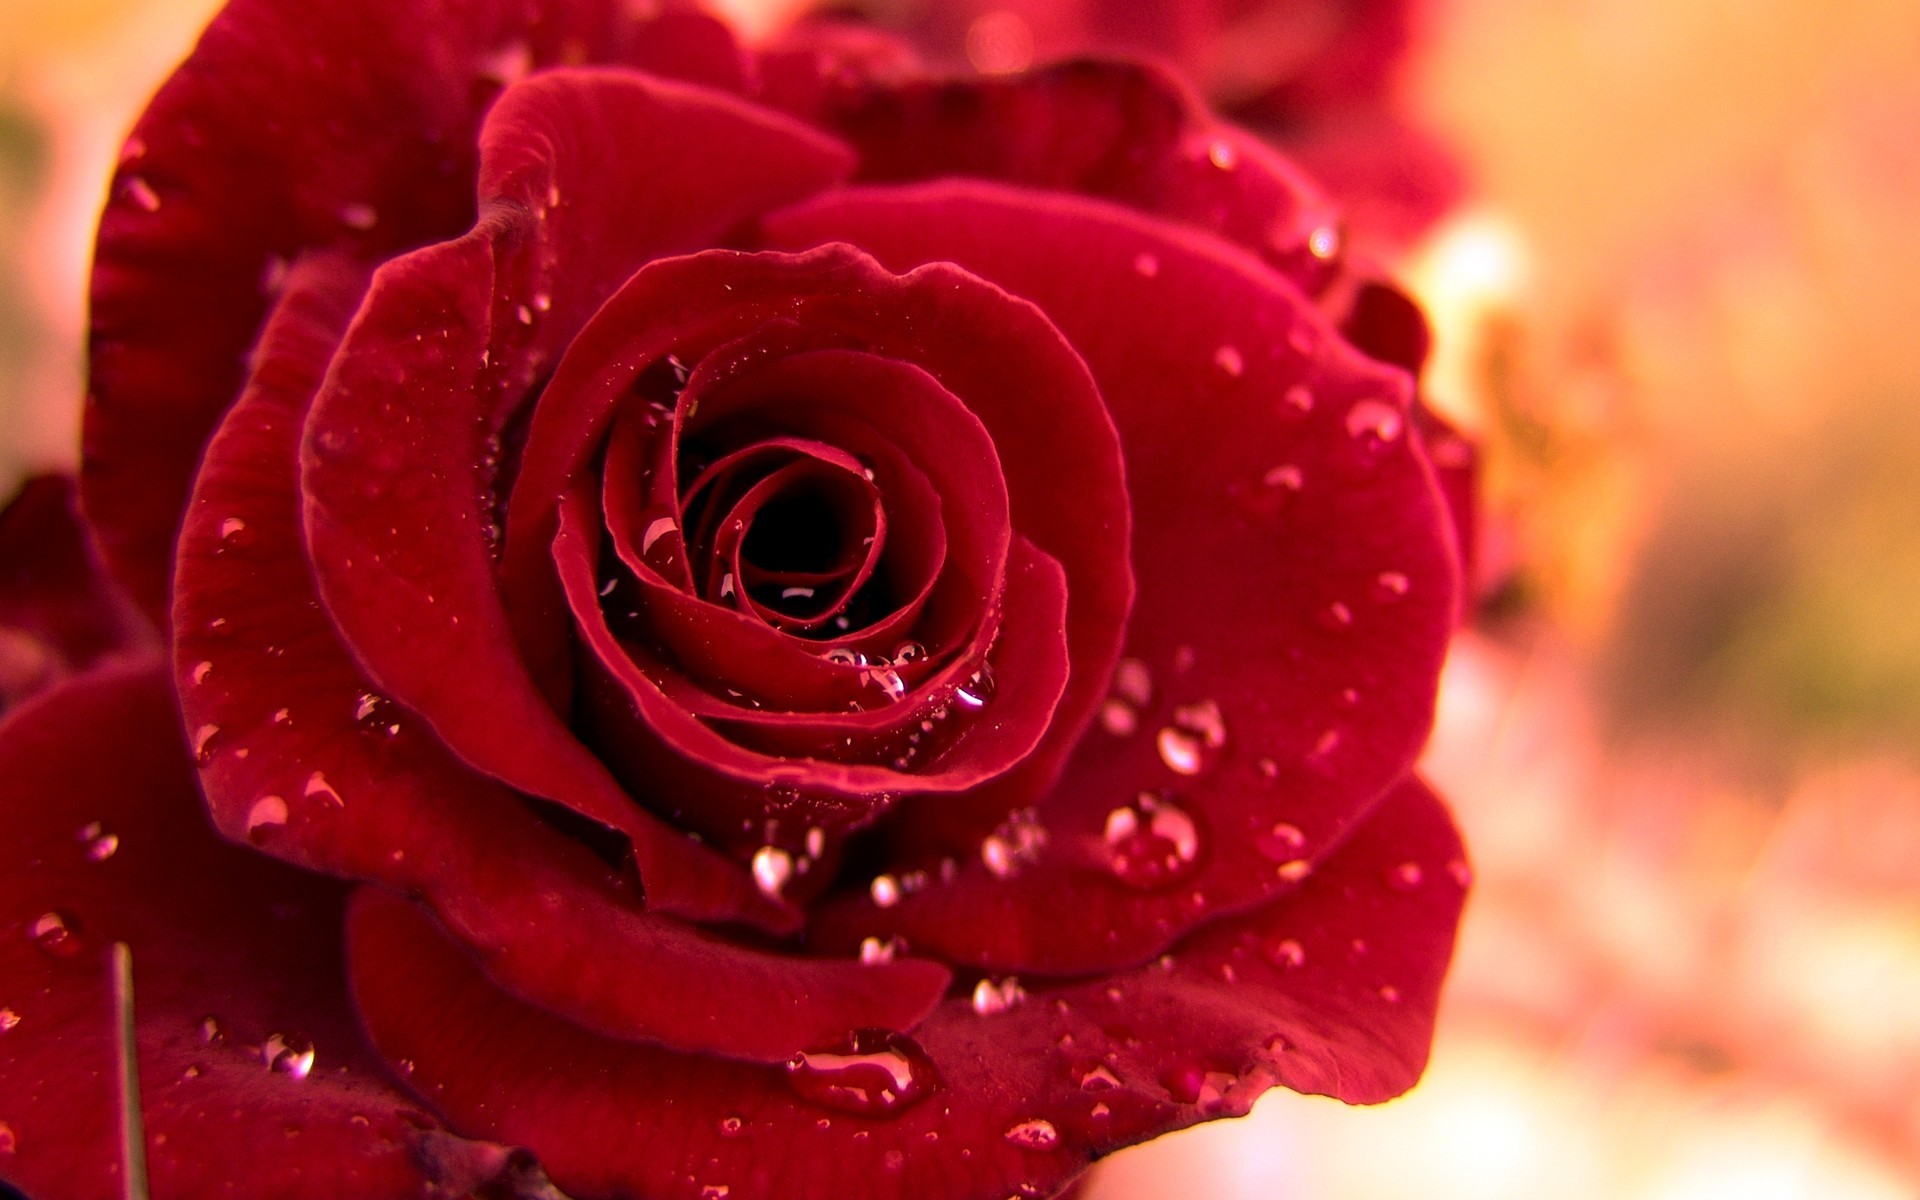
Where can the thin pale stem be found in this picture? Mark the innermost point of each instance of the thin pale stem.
(133, 1134)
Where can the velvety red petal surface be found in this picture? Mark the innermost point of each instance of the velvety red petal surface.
(1296, 581)
(300, 757)
(236, 965)
(292, 127)
(59, 613)
(398, 445)
(1331, 990)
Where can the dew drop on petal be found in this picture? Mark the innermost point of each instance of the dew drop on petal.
(871, 1072)
(200, 672)
(1390, 994)
(772, 867)
(1222, 154)
(1179, 749)
(978, 690)
(1118, 717)
(9, 1142)
(56, 934)
(991, 998)
(268, 812)
(1390, 586)
(1146, 265)
(1296, 401)
(1151, 843)
(1014, 843)
(1323, 243)
(657, 528)
(1375, 420)
(203, 743)
(1460, 872)
(1285, 476)
(875, 950)
(1405, 877)
(1281, 842)
(1133, 681)
(360, 217)
(1034, 1135)
(319, 789)
(1294, 870)
(1098, 1078)
(1286, 952)
(885, 890)
(287, 1054)
(908, 653)
(141, 193)
(1230, 360)
(102, 846)
(732, 1126)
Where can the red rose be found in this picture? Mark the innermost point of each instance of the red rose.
(861, 634)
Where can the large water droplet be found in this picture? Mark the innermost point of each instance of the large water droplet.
(991, 998)
(268, 812)
(888, 681)
(287, 1054)
(203, 743)
(319, 789)
(56, 934)
(1034, 1135)
(978, 690)
(772, 867)
(1152, 842)
(1324, 242)
(657, 528)
(871, 1072)
(1014, 844)
(1222, 154)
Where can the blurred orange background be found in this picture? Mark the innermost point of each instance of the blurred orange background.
(1678, 307)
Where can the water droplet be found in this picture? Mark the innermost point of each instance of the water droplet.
(1202, 717)
(978, 690)
(283, 716)
(1303, 338)
(732, 1126)
(1390, 994)
(9, 1143)
(203, 743)
(1390, 586)
(142, 194)
(885, 890)
(1296, 401)
(232, 531)
(1034, 1135)
(319, 789)
(1281, 842)
(1294, 870)
(772, 867)
(268, 812)
(542, 302)
(1286, 952)
(888, 681)
(200, 672)
(287, 1054)
(1133, 681)
(210, 1030)
(1098, 1078)
(990, 998)
(879, 950)
(1151, 843)
(375, 713)
(1460, 872)
(1179, 749)
(1222, 154)
(1014, 844)
(908, 653)
(1146, 265)
(101, 846)
(1118, 718)
(1375, 420)
(871, 1072)
(56, 934)
(360, 217)
(715, 1191)
(1286, 476)
(9, 1019)
(1405, 877)
(816, 837)
(1324, 242)
(1337, 616)
(1230, 360)
(657, 528)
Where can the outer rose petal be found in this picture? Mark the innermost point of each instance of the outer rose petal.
(104, 828)
(1293, 555)
(299, 758)
(1331, 990)
(293, 126)
(58, 611)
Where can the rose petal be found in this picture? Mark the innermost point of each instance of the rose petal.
(299, 758)
(230, 950)
(402, 425)
(59, 612)
(291, 127)
(1025, 1098)
(1296, 581)
(1065, 483)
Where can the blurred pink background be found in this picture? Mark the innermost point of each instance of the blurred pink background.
(1678, 306)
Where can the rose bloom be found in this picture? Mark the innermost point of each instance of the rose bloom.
(751, 622)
